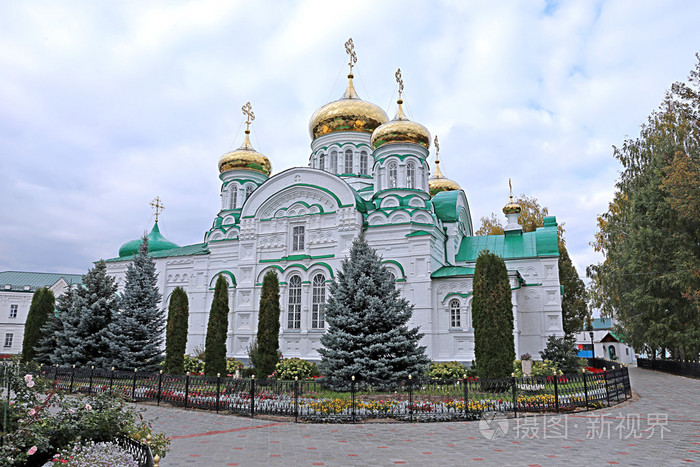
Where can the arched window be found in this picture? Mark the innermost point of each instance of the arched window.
(455, 314)
(294, 303)
(348, 161)
(248, 191)
(318, 301)
(410, 175)
(392, 174)
(234, 196)
(322, 161)
(298, 238)
(334, 162)
(363, 163)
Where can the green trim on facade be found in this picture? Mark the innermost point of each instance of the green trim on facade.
(451, 294)
(401, 157)
(393, 261)
(309, 185)
(241, 180)
(357, 145)
(401, 223)
(452, 271)
(418, 233)
(295, 258)
(229, 274)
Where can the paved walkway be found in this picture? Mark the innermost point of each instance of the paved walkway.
(662, 427)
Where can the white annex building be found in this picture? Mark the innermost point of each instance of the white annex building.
(365, 173)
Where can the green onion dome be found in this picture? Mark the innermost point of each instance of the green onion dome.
(156, 242)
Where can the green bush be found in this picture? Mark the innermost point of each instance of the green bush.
(448, 370)
(539, 368)
(233, 364)
(194, 364)
(289, 368)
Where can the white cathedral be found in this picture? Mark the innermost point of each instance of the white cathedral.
(368, 174)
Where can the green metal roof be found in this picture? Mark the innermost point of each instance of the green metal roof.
(452, 271)
(18, 280)
(542, 242)
(445, 204)
(156, 242)
(187, 250)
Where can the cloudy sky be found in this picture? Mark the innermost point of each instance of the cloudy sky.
(104, 105)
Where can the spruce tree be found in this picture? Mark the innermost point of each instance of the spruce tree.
(215, 344)
(574, 309)
(176, 332)
(85, 324)
(368, 335)
(266, 347)
(492, 311)
(135, 336)
(39, 312)
(54, 337)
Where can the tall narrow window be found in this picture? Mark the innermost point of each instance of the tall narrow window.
(248, 191)
(8, 339)
(392, 174)
(298, 238)
(348, 161)
(13, 311)
(334, 162)
(455, 315)
(294, 305)
(322, 161)
(318, 302)
(363, 163)
(234, 196)
(410, 175)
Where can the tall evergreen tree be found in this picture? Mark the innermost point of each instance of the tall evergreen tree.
(492, 311)
(574, 310)
(368, 335)
(40, 311)
(215, 344)
(265, 350)
(85, 324)
(176, 332)
(135, 335)
(54, 337)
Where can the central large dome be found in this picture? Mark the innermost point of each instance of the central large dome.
(349, 113)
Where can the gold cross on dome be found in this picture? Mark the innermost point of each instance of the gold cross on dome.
(437, 150)
(350, 50)
(248, 112)
(510, 185)
(157, 206)
(399, 80)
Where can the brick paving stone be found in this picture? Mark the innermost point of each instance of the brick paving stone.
(603, 437)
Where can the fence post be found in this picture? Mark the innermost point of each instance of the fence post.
(410, 397)
(187, 388)
(72, 374)
(585, 388)
(352, 392)
(133, 386)
(466, 394)
(92, 371)
(252, 396)
(160, 385)
(628, 385)
(55, 375)
(111, 380)
(515, 396)
(607, 392)
(218, 390)
(556, 393)
(296, 399)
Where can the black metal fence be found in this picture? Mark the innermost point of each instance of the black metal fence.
(314, 400)
(140, 451)
(691, 369)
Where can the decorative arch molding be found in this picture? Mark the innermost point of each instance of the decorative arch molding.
(287, 188)
(397, 264)
(261, 275)
(457, 294)
(228, 275)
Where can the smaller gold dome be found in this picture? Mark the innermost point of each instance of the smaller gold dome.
(512, 207)
(245, 158)
(401, 130)
(438, 182)
(349, 113)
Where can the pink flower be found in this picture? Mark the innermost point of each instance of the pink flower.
(88, 407)
(32, 450)
(27, 378)
(70, 410)
(30, 384)
(32, 412)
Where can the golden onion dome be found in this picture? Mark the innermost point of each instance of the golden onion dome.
(401, 130)
(512, 207)
(349, 113)
(438, 182)
(245, 158)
